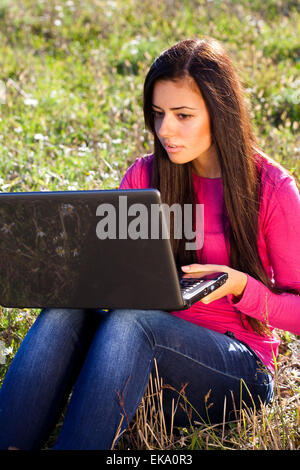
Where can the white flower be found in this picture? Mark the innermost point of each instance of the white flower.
(58, 237)
(67, 209)
(40, 233)
(60, 251)
(102, 145)
(75, 252)
(18, 130)
(6, 228)
(8, 351)
(73, 186)
(112, 4)
(57, 22)
(39, 137)
(84, 148)
(30, 102)
(21, 315)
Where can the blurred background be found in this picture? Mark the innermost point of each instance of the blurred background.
(71, 77)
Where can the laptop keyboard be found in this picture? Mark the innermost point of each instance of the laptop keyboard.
(189, 285)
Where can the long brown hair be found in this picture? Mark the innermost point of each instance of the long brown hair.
(206, 61)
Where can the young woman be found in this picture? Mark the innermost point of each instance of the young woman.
(222, 349)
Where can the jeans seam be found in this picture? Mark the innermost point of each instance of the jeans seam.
(146, 334)
(192, 359)
(206, 366)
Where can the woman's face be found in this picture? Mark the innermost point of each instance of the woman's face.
(182, 122)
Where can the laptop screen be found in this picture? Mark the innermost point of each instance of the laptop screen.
(45, 241)
(72, 249)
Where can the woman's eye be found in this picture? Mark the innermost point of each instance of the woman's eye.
(184, 116)
(157, 114)
(160, 115)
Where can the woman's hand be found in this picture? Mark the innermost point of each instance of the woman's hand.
(234, 285)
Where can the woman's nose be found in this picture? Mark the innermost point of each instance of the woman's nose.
(165, 127)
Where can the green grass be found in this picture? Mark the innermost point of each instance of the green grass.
(71, 118)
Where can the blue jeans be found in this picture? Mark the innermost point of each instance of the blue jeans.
(105, 360)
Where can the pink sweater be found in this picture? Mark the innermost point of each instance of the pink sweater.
(279, 248)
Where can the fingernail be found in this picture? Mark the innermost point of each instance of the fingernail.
(187, 268)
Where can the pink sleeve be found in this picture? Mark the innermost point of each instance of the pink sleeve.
(282, 234)
(138, 174)
(126, 182)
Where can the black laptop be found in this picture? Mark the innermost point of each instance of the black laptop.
(91, 249)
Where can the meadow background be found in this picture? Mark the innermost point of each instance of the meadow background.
(71, 78)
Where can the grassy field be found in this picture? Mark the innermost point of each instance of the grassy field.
(71, 77)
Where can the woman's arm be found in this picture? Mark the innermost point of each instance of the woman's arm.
(281, 226)
(138, 175)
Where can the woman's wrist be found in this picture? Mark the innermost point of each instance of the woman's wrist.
(241, 285)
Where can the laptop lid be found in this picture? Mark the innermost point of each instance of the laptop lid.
(86, 249)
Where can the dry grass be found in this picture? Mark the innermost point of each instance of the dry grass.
(273, 427)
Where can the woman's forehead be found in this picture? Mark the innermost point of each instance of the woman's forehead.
(180, 92)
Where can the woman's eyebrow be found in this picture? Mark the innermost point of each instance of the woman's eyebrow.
(174, 109)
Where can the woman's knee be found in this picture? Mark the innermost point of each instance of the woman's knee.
(128, 324)
(121, 320)
(56, 317)
(133, 316)
(134, 326)
(58, 323)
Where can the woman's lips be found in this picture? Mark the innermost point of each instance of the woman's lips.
(172, 149)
